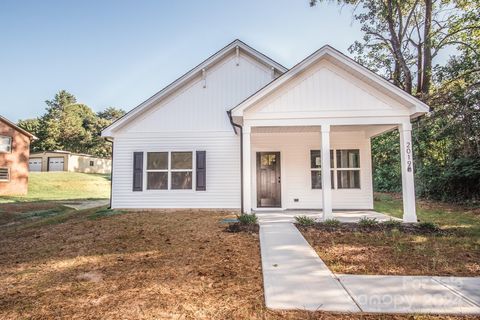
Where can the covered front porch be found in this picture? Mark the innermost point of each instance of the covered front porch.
(306, 137)
(325, 168)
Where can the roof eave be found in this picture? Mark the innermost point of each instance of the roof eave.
(420, 107)
(108, 131)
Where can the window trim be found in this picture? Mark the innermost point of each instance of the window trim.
(348, 169)
(333, 169)
(168, 170)
(178, 170)
(8, 174)
(320, 169)
(10, 145)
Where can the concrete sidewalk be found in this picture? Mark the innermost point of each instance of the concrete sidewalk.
(296, 278)
(288, 216)
(86, 204)
(413, 294)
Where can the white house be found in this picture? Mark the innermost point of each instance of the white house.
(242, 131)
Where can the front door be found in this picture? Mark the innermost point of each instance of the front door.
(268, 180)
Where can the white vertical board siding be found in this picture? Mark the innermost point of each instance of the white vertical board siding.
(193, 118)
(325, 90)
(295, 168)
(195, 108)
(223, 171)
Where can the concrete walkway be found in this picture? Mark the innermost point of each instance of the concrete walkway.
(296, 278)
(86, 204)
(278, 216)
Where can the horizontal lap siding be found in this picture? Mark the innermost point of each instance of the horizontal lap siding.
(295, 162)
(223, 171)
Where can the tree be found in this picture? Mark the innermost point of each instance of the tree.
(411, 33)
(62, 99)
(401, 40)
(68, 125)
(111, 114)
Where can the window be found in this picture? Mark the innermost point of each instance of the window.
(316, 169)
(91, 163)
(346, 166)
(5, 144)
(4, 174)
(176, 167)
(157, 170)
(348, 169)
(181, 170)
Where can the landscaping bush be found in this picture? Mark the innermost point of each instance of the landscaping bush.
(305, 221)
(428, 226)
(393, 224)
(247, 218)
(332, 223)
(366, 222)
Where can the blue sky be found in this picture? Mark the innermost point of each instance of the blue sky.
(118, 53)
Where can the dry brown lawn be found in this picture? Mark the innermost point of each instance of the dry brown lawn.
(395, 253)
(137, 265)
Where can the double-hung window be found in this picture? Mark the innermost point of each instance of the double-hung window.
(316, 168)
(157, 170)
(181, 170)
(169, 170)
(348, 169)
(5, 144)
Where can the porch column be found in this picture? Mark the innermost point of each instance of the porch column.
(326, 179)
(408, 186)
(247, 171)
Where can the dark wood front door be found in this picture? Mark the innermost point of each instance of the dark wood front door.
(268, 180)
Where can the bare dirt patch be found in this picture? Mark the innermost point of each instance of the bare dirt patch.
(138, 265)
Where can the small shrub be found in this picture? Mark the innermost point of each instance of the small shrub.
(393, 224)
(332, 223)
(428, 226)
(305, 221)
(366, 222)
(247, 218)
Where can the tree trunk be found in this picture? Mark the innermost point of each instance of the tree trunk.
(427, 49)
(397, 49)
(420, 69)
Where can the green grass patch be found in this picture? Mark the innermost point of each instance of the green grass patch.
(444, 215)
(42, 213)
(63, 186)
(105, 212)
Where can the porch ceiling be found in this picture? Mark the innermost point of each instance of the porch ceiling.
(369, 130)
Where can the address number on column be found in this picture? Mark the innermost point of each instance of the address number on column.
(408, 154)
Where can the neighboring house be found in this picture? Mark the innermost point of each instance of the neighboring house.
(67, 161)
(242, 131)
(14, 151)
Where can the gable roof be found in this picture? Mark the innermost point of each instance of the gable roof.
(153, 100)
(344, 61)
(13, 125)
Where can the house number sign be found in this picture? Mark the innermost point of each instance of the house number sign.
(408, 151)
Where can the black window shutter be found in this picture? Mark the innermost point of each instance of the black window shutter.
(201, 177)
(137, 171)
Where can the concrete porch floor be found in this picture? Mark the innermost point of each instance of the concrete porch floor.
(282, 216)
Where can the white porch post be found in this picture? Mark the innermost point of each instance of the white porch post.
(326, 179)
(408, 186)
(247, 175)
